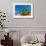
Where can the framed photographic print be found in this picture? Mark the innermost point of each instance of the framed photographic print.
(22, 10)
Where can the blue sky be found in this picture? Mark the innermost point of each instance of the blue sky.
(20, 7)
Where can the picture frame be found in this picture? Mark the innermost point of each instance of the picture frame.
(22, 10)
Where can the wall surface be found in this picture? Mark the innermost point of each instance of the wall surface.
(39, 13)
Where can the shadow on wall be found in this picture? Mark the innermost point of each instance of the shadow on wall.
(16, 43)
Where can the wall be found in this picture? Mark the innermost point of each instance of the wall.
(39, 14)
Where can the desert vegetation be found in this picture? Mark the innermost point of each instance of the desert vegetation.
(23, 12)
